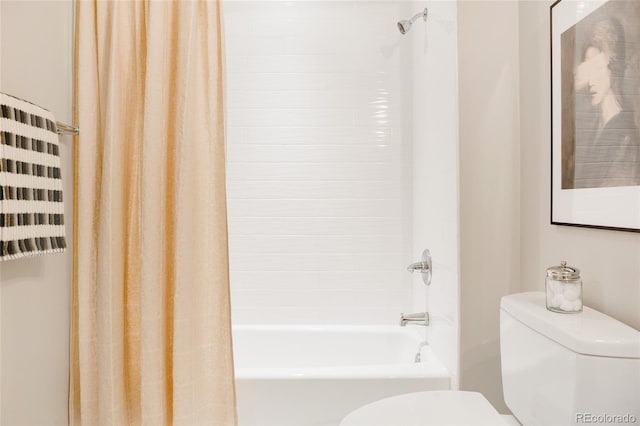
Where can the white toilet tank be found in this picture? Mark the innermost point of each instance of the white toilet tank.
(567, 369)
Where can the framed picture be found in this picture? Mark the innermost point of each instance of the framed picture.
(595, 113)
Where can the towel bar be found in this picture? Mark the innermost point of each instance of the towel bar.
(65, 129)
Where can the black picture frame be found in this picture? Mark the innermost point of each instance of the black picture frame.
(595, 114)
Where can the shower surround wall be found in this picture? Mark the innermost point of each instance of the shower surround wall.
(343, 164)
(319, 166)
(435, 173)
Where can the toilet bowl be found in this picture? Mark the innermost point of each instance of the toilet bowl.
(555, 368)
(432, 408)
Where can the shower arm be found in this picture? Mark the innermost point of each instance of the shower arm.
(422, 14)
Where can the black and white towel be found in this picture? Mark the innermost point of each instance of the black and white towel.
(31, 207)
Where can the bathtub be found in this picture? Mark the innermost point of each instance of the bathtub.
(315, 375)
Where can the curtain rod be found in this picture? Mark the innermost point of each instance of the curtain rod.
(65, 129)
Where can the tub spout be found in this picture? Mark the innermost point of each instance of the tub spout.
(421, 318)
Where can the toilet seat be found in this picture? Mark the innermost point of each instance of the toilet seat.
(427, 408)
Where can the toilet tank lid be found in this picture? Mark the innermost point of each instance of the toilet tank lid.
(589, 332)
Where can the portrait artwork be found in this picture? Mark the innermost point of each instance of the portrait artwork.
(596, 117)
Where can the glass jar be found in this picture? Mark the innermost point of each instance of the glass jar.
(564, 289)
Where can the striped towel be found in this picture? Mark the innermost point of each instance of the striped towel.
(31, 208)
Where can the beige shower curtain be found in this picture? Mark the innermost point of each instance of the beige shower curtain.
(151, 335)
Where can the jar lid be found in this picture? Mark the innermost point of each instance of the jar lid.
(563, 272)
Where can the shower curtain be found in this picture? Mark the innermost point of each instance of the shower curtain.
(151, 335)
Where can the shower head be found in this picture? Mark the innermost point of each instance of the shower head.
(404, 26)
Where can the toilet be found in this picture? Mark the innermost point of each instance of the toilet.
(557, 369)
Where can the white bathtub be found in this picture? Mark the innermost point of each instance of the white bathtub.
(315, 375)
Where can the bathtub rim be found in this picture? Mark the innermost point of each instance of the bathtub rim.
(430, 366)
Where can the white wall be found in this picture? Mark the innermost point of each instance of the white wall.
(319, 176)
(488, 59)
(35, 64)
(507, 241)
(609, 260)
(435, 171)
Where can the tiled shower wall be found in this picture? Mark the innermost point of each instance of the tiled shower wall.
(435, 175)
(319, 166)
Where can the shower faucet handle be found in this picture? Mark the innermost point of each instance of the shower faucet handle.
(424, 267)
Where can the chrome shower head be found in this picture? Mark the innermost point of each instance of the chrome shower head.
(404, 26)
